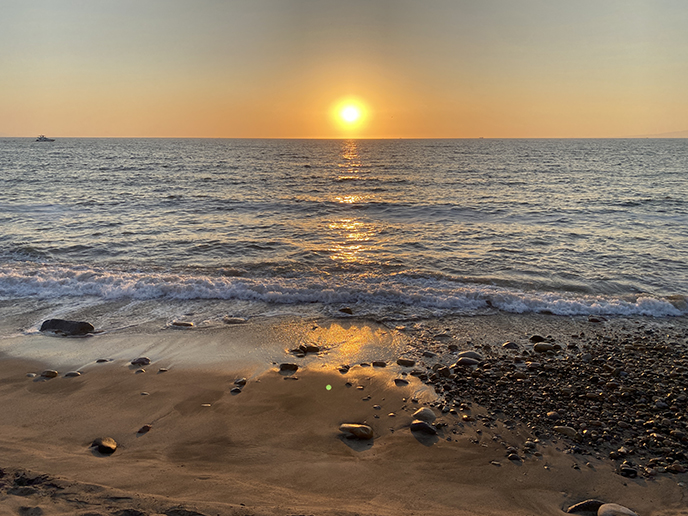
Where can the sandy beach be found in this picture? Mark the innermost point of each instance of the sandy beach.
(273, 446)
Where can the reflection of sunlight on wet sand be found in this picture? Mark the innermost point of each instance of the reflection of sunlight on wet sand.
(350, 342)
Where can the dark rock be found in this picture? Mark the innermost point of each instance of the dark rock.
(130, 512)
(346, 310)
(240, 382)
(182, 512)
(379, 363)
(537, 338)
(542, 347)
(400, 382)
(471, 354)
(67, 327)
(144, 429)
(357, 430)
(141, 361)
(309, 348)
(49, 373)
(288, 367)
(465, 362)
(423, 427)
(235, 390)
(105, 445)
(586, 506)
(424, 414)
(510, 345)
(72, 374)
(406, 362)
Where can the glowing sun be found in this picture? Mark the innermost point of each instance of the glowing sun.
(349, 114)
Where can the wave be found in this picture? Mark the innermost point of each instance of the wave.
(378, 295)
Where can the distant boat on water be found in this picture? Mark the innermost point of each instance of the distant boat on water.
(43, 138)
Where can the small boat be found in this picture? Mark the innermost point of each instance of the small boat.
(42, 138)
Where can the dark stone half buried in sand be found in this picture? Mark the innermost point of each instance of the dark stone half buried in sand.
(49, 373)
(67, 327)
(105, 445)
(141, 361)
(406, 362)
(357, 430)
(400, 382)
(288, 367)
(423, 427)
(586, 506)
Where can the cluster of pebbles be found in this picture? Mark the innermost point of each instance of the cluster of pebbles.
(618, 391)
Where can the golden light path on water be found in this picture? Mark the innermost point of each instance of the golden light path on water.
(350, 234)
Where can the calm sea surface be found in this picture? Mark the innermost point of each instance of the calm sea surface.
(390, 228)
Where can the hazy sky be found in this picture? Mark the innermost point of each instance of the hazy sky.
(277, 68)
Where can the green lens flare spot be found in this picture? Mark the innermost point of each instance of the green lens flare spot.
(328, 387)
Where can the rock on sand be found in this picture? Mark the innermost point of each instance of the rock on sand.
(424, 414)
(357, 430)
(613, 509)
(67, 327)
(105, 445)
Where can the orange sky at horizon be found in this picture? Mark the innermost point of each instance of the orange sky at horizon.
(280, 68)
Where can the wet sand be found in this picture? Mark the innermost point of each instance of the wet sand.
(275, 447)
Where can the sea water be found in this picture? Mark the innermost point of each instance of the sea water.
(391, 229)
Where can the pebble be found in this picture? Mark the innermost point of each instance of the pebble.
(105, 445)
(471, 354)
(465, 362)
(49, 373)
(140, 371)
(240, 382)
(141, 361)
(613, 509)
(510, 345)
(101, 360)
(357, 430)
(183, 324)
(288, 367)
(406, 362)
(400, 382)
(163, 370)
(235, 390)
(379, 363)
(423, 427)
(144, 393)
(144, 429)
(233, 320)
(72, 374)
(346, 310)
(31, 375)
(514, 457)
(567, 431)
(537, 338)
(425, 414)
(495, 463)
(542, 347)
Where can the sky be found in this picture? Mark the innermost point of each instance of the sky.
(282, 68)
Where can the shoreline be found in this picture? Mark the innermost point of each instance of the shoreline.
(276, 447)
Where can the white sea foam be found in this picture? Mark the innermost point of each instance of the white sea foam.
(385, 293)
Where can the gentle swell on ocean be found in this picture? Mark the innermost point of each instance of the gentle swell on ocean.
(394, 229)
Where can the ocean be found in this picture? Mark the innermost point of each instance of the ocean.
(389, 229)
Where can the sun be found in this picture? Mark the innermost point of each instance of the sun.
(349, 114)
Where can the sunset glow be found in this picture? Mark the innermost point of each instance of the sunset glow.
(495, 69)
